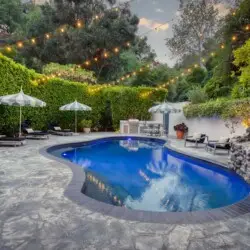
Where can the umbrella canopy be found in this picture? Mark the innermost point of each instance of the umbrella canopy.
(163, 108)
(20, 99)
(75, 106)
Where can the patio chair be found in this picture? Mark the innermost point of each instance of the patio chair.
(31, 134)
(56, 130)
(12, 141)
(222, 144)
(195, 139)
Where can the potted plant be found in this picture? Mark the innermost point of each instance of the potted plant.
(180, 129)
(86, 125)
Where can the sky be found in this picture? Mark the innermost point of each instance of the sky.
(153, 13)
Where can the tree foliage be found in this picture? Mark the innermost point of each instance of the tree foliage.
(69, 72)
(103, 29)
(197, 23)
(11, 15)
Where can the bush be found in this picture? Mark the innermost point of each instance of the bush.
(242, 60)
(86, 123)
(70, 72)
(197, 95)
(125, 102)
(224, 108)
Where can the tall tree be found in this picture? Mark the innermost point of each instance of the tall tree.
(103, 29)
(196, 24)
(11, 14)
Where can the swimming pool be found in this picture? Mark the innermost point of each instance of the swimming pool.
(142, 174)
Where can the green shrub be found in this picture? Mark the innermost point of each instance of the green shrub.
(86, 123)
(125, 102)
(242, 60)
(197, 95)
(224, 108)
(70, 72)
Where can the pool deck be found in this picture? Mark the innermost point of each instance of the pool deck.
(35, 214)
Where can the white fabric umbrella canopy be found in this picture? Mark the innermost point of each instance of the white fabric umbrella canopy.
(75, 106)
(20, 99)
(163, 107)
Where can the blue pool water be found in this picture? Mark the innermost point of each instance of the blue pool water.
(142, 174)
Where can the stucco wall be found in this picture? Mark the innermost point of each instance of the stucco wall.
(213, 127)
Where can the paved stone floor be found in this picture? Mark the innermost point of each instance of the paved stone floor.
(35, 214)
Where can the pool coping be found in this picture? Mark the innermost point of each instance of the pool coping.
(73, 192)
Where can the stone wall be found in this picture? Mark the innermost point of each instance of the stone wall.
(239, 159)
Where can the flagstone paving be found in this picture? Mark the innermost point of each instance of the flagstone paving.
(35, 214)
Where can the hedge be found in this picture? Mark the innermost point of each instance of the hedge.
(125, 102)
(223, 108)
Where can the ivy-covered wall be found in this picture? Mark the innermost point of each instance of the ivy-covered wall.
(124, 102)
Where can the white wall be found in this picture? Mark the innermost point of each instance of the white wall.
(213, 127)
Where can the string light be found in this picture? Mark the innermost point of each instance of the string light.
(234, 38)
(105, 55)
(62, 30)
(196, 65)
(247, 27)
(33, 40)
(128, 44)
(19, 44)
(212, 54)
(79, 24)
(8, 48)
(116, 50)
(47, 36)
(96, 59)
(222, 46)
(87, 63)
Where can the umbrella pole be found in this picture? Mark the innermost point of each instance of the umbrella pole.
(75, 121)
(20, 122)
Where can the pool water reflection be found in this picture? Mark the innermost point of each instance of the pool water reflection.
(142, 174)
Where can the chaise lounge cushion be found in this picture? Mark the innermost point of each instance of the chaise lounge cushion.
(19, 139)
(197, 139)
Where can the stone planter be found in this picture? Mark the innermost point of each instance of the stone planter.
(86, 130)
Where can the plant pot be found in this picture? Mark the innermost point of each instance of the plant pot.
(87, 130)
(179, 134)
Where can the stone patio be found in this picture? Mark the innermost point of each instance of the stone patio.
(35, 214)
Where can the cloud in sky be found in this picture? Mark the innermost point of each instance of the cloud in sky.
(150, 24)
(222, 8)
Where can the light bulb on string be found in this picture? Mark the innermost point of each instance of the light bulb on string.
(222, 46)
(8, 48)
(33, 40)
(128, 44)
(234, 38)
(116, 50)
(47, 36)
(19, 44)
(79, 24)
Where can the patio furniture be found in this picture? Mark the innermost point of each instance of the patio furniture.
(34, 134)
(56, 130)
(222, 144)
(196, 139)
(12, 141)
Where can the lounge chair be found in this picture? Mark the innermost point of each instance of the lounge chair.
(31, 134)
(222, 144)
(58, 131)
(12, 141)
(195, 139)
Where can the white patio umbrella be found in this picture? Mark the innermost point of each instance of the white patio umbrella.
(20, 99)
(75, 106)
(164, 107)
